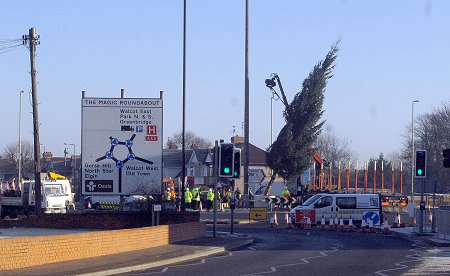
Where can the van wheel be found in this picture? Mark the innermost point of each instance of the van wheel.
(97, 207)
(13, 214)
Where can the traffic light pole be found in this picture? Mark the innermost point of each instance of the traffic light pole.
(216, 173)
(422, 208)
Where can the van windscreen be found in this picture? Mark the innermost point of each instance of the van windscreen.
(311, 200)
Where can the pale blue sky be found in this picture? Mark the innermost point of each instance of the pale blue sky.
(392, 52)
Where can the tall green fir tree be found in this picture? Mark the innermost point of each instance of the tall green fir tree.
(290, 153)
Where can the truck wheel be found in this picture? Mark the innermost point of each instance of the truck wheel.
(2, 215)
(97, 207)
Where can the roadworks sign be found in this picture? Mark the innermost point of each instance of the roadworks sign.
(258, 213)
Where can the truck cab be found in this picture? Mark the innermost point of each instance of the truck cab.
(56, 198)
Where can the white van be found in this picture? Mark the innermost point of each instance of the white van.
(275, 191)
(345, 206)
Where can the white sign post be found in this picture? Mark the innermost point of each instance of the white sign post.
(121, 145)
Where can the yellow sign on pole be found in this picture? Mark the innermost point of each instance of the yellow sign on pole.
(258, 213)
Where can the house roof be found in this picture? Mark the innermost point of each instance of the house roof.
(172, 157)
(257, 156)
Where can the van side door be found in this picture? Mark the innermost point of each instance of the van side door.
(324, 207)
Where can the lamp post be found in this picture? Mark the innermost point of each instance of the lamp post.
(20, 139)
(412, 150)
(74, 162)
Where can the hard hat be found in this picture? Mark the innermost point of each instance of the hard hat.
(210, 189)
(187, 189)
(168, 189)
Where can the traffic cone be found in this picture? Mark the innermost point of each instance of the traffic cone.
(335, 225)
(308, 223)
(385, 227)
(288, 220)
(341, 224)
(430, 217)
(275, 218)
(350, 224)
(363, 226)
(272, 221)
(370, 225)
(396, 221)
(331, 225)
(322, 223)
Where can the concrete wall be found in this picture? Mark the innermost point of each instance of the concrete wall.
(32, 251)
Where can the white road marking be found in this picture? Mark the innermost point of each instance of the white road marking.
(402, 265)
(202, 261)
(304, 262)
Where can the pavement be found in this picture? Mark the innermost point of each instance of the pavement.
(431, 239)
(141, 259)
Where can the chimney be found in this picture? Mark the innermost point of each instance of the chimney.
(237, 139)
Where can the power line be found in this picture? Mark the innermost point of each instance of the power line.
(9, 45)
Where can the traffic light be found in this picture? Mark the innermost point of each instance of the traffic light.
(421, 164)
(226, 154)
(237, 163)
(446, 160)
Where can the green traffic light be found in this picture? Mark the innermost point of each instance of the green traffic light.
(419, 171)
(226, 170)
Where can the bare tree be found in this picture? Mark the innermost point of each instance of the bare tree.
(11, 154)
(432, 133)
(333, 148)
(191, 141)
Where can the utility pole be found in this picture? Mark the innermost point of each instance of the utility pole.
(32, 39)
(246, 112)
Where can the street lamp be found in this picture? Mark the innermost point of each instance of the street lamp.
(412, 150)
(20, 138)
(74, 162)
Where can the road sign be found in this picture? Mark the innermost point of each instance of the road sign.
(375, 217)
(256, 175)
(258, 213)
(283, 200)
(121, 144)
